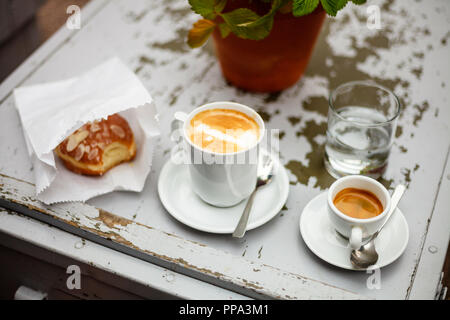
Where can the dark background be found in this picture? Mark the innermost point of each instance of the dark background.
(25, 25)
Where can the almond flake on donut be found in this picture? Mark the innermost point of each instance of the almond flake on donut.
(118, 131)
(75, 139)
(92, 154)
(95, 127)
(79, 152)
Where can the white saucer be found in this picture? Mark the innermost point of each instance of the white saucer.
(321, 238)
(184, 205)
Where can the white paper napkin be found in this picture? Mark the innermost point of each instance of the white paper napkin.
(52, 111)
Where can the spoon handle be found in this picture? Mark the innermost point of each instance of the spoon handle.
(395, 199)
(242, 225)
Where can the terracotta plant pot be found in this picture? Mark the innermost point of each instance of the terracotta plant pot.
(274, 63)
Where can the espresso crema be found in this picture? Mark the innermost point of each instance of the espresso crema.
(358, 203)
(223, 130)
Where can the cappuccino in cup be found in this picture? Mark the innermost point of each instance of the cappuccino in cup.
(223, 130)
(222, 142)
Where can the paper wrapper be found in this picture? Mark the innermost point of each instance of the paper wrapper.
(52, 111)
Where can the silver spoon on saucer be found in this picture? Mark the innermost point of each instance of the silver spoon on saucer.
(366, 255)
(265, 174)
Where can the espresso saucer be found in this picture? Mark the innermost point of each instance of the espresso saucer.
(177, 196)
(323, 240)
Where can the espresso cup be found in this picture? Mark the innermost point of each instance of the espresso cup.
(355, 229)
(221, 179)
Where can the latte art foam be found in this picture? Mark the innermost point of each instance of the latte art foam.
(223, 130)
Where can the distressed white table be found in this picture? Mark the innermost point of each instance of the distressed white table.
(409, 54)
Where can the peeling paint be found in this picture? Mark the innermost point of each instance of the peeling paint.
(112, 220)
(316, 104)
(178, 44)
(294, 120)
(315, 167)
(420, 112)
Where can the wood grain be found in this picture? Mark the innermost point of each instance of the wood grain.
(165, 249)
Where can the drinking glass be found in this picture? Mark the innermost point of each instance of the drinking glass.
(362, 120)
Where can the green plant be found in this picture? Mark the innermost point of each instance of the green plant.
(247, 24)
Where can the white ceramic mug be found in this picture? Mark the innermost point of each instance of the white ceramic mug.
(221, 179)
(356, 230)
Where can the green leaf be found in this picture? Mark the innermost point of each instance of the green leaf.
(242, 22)
(247, 24)
(359, 1)
(268, 17)
(333, 6)
(342, 4)
(200, 32)
(276, 4)
(303, 7)
(220, 5)
(224, 30)
(205, 8)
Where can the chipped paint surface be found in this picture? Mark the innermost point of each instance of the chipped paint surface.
(111, 220)
(178, 254)
(408, 55)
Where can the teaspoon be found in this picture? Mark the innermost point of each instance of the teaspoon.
(366, 255)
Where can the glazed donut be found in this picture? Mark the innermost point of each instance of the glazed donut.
(98, 146)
